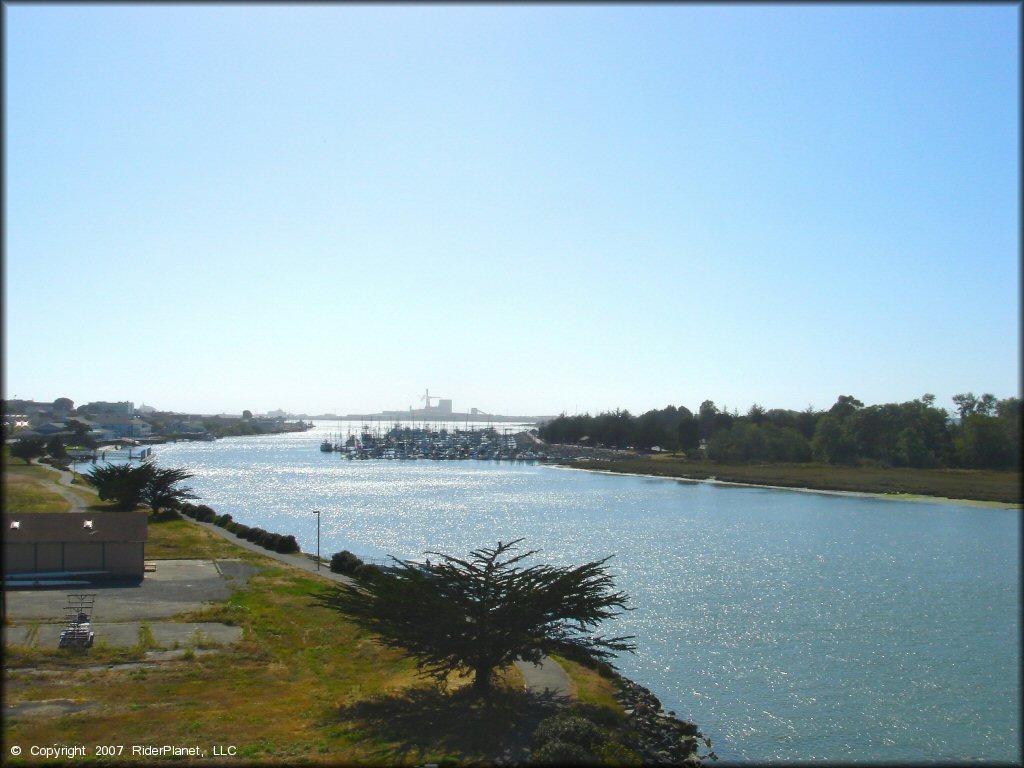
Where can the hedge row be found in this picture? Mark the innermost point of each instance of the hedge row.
(272, 541)
(352, 565)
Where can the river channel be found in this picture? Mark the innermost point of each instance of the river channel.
(788, 625)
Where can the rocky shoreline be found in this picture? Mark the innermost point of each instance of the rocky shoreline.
(657, 736)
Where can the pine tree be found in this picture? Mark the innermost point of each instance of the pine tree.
(482, 613)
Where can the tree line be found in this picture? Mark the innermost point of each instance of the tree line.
(983, 433)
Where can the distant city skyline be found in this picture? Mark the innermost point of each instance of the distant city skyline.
(531, 209)
(413, 413)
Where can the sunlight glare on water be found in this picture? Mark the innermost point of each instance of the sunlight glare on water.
(789, 626)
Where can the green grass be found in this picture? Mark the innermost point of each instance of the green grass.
(29, 488)
(303, 685)
(967, 484)
(170, 539)
(589, 686)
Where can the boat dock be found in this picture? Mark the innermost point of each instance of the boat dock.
(411, 443)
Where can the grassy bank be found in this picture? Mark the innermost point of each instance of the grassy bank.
(30, 488)
(33, 488)
(968, 484)
(304, 686)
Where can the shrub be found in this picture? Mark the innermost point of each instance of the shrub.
(571, 729)
(345, 562)
(222, 520)
(256, 535)
(367, 572)
(204, 514)
(613, 753)
(287, 545)
(270, 541)
(562, 753)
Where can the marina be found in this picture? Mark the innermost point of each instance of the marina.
(432, 442)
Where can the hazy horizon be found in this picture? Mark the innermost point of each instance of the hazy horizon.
(529, 209)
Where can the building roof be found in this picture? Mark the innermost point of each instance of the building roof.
(40, 527)
(50, 428)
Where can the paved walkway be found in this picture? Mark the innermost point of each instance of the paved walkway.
(302, 560)
(548, 676)
(78, 504)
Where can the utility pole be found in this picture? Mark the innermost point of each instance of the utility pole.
(317, 513)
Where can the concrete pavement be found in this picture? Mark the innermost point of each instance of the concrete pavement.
(176, 586)
(547, 677)
(164, 634)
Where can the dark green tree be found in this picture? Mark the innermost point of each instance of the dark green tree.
(984, 444)
(28, 449)
(63, 405)
(162, 489)
(129, 485)
(80, 433)
(756, 413)
(483, 612)
(845, 405)
(55, 447)
(688, 432)
(831, 443)
(123, 484)
(969, 405)
(649, 432)
(1009, 414)
(706, 419)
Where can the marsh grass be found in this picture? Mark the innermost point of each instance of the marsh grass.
(967, 484)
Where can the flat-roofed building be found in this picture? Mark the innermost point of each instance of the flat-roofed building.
(106, 544)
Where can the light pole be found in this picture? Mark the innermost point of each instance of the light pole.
(317, 513)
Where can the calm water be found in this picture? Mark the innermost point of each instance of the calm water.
(789, 626)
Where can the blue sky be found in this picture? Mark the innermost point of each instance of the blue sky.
(528, 209)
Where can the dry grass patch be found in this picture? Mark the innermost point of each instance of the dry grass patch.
(589, 686)
(29, 488)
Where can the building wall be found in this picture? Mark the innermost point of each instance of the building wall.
(116, 558)
(82, 556)
(19, 558)
(49, 556)
(125, 558)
